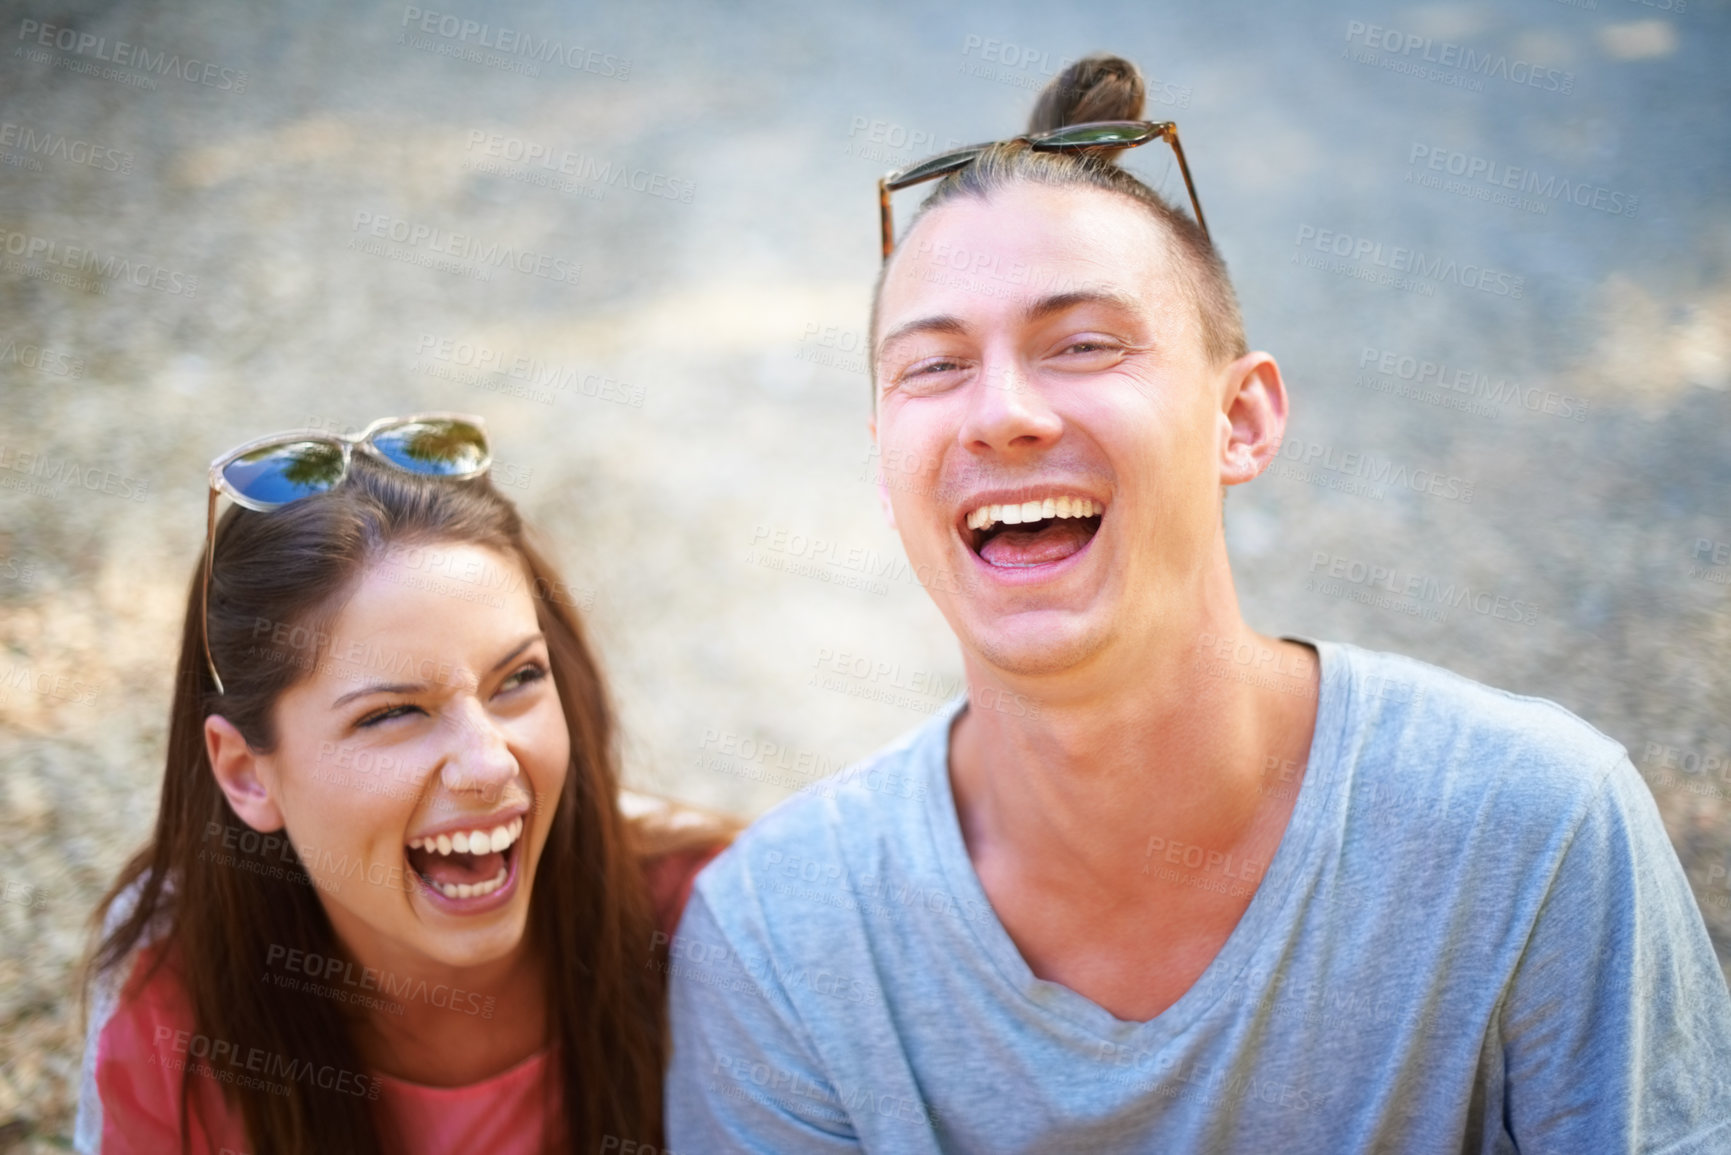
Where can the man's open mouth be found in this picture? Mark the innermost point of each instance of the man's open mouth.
(468, 863)
(1036, 532)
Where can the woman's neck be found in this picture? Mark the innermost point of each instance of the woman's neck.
(452, 1026)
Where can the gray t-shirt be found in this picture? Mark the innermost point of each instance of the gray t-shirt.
(1474, 936)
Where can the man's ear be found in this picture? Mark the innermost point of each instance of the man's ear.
(1252, 417)
(883, 475)
(236, 767)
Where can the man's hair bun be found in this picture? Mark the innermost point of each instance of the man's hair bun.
(1097, 87)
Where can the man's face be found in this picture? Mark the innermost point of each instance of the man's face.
(1038, 347)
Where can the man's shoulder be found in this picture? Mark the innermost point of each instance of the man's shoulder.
(1415, 726)
(812, 855)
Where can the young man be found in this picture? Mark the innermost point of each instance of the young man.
(1160, 883)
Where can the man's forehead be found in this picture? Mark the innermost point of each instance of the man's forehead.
(1023, 248)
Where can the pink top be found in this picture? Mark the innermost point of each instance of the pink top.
(143, 1043)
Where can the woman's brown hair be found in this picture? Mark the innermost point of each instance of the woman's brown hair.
(589, 915)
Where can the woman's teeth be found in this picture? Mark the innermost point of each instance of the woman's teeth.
(472, 841)
(1021, 513)
(465, 890)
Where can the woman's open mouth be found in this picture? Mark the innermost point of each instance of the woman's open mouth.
(469, 863)
(1041, 531)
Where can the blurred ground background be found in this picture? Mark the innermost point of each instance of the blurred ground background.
(709, 386)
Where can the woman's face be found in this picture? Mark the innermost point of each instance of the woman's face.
(418, 768)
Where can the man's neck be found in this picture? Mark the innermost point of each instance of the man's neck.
(1184, 746)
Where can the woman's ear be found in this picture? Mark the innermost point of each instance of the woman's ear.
(236, 767)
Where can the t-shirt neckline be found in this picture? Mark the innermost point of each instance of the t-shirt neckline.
(1275, 890)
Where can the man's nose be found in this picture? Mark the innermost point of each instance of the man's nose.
(1007, 410)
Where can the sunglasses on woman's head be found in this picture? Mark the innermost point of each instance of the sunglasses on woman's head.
(1097, 134)
(271, 472)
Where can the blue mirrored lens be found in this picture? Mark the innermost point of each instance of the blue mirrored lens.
(437, 447)
(278, 474)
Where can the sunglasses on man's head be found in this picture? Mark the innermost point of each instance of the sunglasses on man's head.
(1097, 134)
(271, 472)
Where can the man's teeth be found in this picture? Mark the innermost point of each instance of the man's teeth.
(987, 516)
(465, 890)
(472, 841)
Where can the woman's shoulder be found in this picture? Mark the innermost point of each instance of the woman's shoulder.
(676, 842)
(142, 1041)
(670, 880)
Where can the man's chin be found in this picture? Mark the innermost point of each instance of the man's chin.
(1036, 644)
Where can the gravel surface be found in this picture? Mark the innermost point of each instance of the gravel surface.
(697, 183)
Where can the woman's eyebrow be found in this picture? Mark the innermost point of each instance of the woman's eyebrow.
(412, 687)
(378, 688)
(520, 647)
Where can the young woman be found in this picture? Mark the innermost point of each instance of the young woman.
(391, 902)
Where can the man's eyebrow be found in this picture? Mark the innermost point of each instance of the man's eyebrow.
(1058, 302)
(1044, 307)
(412, 687)
(939, 324)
